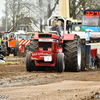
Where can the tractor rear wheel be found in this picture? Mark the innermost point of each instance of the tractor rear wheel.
(98, 61)
(33, 47)
(5, 51)
(16, 48)
(3, 47)
(60, 62)
(72, 51)
(29, 63)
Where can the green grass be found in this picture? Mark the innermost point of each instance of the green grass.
(9, 63)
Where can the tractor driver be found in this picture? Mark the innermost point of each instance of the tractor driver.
(56, 27)
(11, 38)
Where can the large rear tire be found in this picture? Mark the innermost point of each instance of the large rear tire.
(3, 47)
(98, 61)
(16, 48)
(5, 51)
(33, 47)
(29, 63)
(60, 62)
(72, 51)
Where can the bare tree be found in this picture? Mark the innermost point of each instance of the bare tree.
(76, 5)
(42, 10)
(38, 10)
(3, 22)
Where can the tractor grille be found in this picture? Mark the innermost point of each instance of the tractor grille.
(45, 35)
(45, 45)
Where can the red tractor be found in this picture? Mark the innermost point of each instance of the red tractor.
(47, 49)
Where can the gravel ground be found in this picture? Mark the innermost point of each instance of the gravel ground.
(19, 84)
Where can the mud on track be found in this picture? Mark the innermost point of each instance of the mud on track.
(15, 77)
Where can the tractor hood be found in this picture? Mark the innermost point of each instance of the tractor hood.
(45, 35)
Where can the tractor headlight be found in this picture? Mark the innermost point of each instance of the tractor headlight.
(49, 49)
(40, 48)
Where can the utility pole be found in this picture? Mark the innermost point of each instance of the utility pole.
(18, 15)
(40, 12)
(13, 15)
(6, 18)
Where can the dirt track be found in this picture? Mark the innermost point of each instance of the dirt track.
(47, 85)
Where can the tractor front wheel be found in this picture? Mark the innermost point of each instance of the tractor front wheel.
(29, 63)
(60, 62)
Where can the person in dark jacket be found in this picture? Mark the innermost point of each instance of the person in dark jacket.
(56, 27)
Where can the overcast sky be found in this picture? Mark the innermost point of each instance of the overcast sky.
(2, 7)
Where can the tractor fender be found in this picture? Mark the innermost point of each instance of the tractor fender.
(69, 37)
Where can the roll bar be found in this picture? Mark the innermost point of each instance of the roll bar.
(48, 21)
